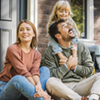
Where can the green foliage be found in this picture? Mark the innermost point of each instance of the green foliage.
(78, 13)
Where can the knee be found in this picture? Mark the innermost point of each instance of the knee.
(45, 70)
(17, 78)
(97, 76)
(51, 83)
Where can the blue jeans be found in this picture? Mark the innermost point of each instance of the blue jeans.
(19, 85)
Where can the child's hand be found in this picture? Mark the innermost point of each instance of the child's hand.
(63, 60)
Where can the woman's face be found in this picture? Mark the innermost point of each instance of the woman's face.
(62, 14)
(25, 33)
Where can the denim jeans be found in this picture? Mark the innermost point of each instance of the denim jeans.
(19, 85)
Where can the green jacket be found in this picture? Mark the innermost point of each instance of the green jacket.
(84, 67)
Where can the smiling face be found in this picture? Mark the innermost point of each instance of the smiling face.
(25, 33)
(62, 14)
(65, 31)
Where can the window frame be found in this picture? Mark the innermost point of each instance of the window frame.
(89, 40)
(32, 11)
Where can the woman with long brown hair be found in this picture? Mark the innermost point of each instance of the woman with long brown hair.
(21, 74)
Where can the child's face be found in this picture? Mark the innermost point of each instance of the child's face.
(62, 14)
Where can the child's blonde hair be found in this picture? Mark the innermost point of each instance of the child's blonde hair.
(60, 5)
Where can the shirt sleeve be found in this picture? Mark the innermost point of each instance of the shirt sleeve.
(14, 56)
(36, 64)
(75, 68)
(85, 68)
(52, 63)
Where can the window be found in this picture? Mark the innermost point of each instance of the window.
(79, 10)
(23, 9)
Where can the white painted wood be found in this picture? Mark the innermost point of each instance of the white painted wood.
(90, 24)
(32, 12)
(8, 24)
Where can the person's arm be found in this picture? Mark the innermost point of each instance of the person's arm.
(30, 79)
(39, 90)
(14, 56)
(52, 63)
(35, 76)
(35, 70)
(38, 84)
(56, 49)
(36, 64)
(85, 67)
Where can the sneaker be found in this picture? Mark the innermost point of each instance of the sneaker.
(84, 98)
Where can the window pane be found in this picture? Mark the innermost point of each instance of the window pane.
(78, 8)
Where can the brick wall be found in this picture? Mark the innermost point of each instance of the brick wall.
(97, 21)
(44, 10)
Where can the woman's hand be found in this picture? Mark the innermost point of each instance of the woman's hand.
(41, 93)
(38, 90)
(38, 87)
(46, 96)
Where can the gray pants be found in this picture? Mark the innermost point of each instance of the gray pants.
(74, 90)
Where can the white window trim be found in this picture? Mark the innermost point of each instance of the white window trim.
(32, 11)
(90, 24)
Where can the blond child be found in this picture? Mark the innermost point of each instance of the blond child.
(62, 10)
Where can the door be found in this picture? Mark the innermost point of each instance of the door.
(9, 18)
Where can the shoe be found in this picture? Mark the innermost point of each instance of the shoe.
(84, 98)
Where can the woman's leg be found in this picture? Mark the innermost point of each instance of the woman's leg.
(18, 84)
(44, 76)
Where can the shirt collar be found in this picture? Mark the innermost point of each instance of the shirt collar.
(66, 47)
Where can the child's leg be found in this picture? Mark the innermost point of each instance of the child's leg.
(74, 50)
(61, 56)
(63, 59)
(74, 53)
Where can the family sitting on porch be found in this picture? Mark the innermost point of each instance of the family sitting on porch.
(67, 68)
